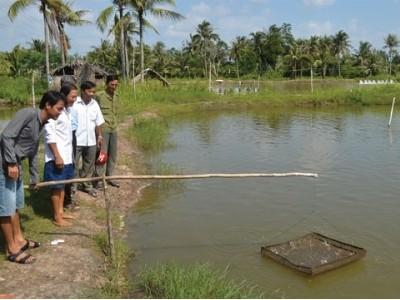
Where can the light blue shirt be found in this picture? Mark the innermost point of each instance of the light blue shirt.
(74, 118)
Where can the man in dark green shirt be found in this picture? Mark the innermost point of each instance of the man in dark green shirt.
(107, 101)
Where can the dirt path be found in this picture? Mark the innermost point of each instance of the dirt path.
(75, 266)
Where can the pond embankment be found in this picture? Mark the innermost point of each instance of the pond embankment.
(78, 267)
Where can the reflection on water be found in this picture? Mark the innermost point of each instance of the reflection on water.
(226, 221)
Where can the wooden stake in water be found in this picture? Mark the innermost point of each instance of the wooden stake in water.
(391, 112)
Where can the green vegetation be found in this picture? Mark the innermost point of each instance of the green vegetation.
(18, 90)
(196, 282)
(117, 285)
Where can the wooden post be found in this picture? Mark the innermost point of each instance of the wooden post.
(312, 80)
(133, 70)
(33, 90)
(111, 248)
(209, 78)
(391, 112)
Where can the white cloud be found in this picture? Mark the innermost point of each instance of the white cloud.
(320, 28)
(318, 2)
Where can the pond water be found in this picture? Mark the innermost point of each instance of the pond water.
(224, 222)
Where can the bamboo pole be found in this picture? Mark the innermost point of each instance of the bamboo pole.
(391, 112)
(188, 176)
(110, 236)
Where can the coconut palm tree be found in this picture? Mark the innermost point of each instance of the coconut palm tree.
(117, 9)
(236, 50)
(341, 46)
(45, 8)
(63, 14)
(391, 43)
(145, 7)
(203, 43)
(258, 40)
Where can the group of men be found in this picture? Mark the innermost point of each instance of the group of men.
(79, 131)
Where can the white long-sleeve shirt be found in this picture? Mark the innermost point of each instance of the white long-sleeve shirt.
(89, 116)
(59, 132)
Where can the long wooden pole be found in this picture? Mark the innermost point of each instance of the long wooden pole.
(391, 112)
(189, 176)
(108, 202)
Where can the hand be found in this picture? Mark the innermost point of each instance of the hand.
(59, 162)
(13, 171)
(33, 187)
(99, 141)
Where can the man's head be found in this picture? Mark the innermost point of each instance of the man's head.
(70, 91)
(52, 104)
(111, 83)
(88, 90)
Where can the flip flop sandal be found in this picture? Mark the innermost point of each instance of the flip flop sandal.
(24, 260)
(30, 245)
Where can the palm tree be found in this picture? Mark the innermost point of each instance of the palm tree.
(258, 39)
(63, 14)
(44, 7)
(237, 47)
(391, 43)
(363, 55)
(341, 46)
(144, 7)
(203, 42)
(118, 10)
(294, 56)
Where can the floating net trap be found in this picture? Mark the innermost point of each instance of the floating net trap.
(313, 253)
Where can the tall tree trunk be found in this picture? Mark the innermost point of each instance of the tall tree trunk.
(62, 47)
(339, 67)
(141, 21)
(237, 69)
(122, 42)
(46, 43)
(126, 55)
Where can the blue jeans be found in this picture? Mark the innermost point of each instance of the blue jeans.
(11, 195)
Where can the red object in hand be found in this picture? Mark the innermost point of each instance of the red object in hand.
(102, 158)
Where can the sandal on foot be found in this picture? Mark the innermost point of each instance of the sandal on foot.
(30, 245)
(26, 259)
(92, 193)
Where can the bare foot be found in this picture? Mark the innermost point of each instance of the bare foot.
(62, 223)
(68, 216)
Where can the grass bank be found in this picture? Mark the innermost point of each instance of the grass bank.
(172, 281)
(190, 95)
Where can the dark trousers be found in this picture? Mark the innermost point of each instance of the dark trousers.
(69, 187)
(110, 141)
(88, 155)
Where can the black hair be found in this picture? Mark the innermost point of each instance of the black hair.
(51, 98)
(111, 77)
(87, 85)
(67, 88)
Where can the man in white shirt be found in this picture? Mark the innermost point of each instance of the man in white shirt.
(88, 133)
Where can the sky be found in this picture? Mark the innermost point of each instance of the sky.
(363, 20)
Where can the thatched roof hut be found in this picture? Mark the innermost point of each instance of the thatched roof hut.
(78, 72)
